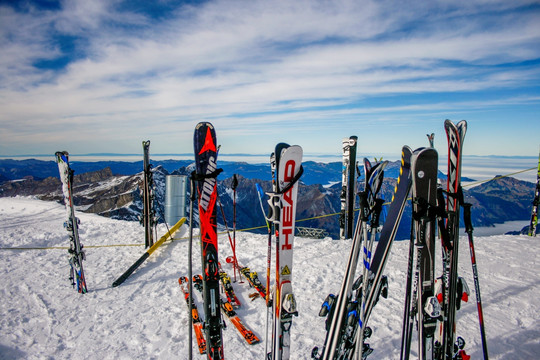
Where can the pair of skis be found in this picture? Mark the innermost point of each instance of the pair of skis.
(286, 167)
(76, 252)
(205, 177)
(347, 317)
(148, 215)
(420, 300)
(452, 285)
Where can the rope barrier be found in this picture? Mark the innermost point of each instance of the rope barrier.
(245, 229)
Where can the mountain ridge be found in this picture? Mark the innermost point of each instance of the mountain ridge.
(110, 194)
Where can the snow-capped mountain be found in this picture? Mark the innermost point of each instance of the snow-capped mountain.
(119, 196)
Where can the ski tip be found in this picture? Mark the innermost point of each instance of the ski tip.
(62, 155)
(204, 124)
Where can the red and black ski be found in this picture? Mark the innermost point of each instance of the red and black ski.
(205, 149)
(454, 197)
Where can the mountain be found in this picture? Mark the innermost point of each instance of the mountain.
(315, 172)
(110, 194)
(99, 192)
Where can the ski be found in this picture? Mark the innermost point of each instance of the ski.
(351, 185)
(197, 323)
(227, 287)
(76, 252)
(370, 209)
(146, 255)
(377, 282)
(251, 276)
(343, 193)
(424, 189)
(148, 196)
(348, 187)
(248, 335)
(389, 230)
(535, 203)
(205, 174)
(342, 310)
(283, 210)
(455, 135)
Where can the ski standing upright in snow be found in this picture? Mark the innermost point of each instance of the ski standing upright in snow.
(283, 215)
(148, 216)
(76, 252)
(535, 203)
(348, 187)
(423, 303)
(450, 346)
(206, 176)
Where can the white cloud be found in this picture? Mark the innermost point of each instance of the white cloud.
(286, 60)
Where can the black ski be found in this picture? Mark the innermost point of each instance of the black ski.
(424, 180)
(351, 185)
(148, 197)
(348, 188)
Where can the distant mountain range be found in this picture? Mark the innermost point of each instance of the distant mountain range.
(111, 188)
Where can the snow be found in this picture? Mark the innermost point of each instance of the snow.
(42, 317)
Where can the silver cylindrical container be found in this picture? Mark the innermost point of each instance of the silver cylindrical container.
(175, 198)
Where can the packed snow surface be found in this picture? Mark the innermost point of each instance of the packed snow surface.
(43, 317)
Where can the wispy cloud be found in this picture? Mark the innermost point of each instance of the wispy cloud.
(107, 68)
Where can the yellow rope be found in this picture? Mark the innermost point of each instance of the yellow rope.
(245, 229)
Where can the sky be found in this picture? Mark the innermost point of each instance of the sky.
(101, 76)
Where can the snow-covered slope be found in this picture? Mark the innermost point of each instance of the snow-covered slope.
(42, 317)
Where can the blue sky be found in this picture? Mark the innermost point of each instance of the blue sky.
(102, 76)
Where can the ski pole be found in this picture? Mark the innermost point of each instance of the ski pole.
(234, 186)
(233, 247)
(469, 230)
(190, 264)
